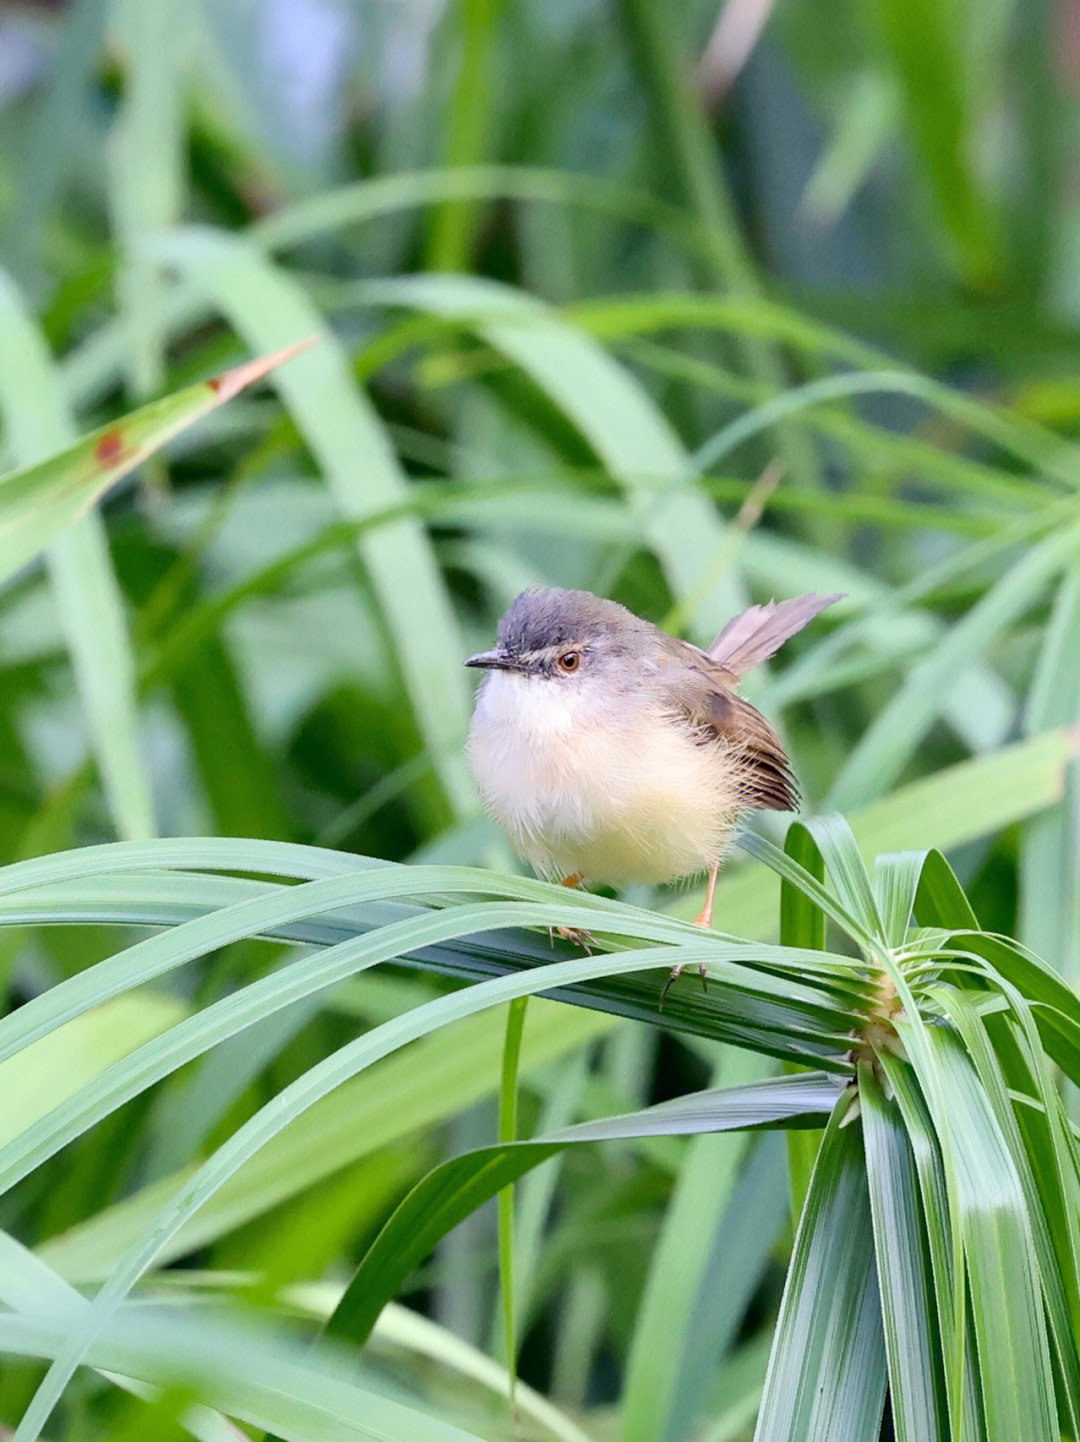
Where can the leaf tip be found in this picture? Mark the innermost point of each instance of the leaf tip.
(230, 383)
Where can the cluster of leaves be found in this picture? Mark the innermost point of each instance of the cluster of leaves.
(526, 373)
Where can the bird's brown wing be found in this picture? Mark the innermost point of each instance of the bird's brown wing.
(704, 692)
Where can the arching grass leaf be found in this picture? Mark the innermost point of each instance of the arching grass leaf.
(456, 1188)
(40, 501)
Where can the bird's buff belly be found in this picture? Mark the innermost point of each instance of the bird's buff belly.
(605, 811)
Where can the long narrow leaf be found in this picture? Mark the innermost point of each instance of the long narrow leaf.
(387, 1106)
(1050, 1184)
(826, 1377)
(343, 432)
(456, 1188)
(249, 1374)
(37, 419)
(885, 747)
(999, 1248)
(296, 1099)
(802, 923)
(38, 502)
(610, 409)
(699, 1201)
(961, 1373)
(916, 1382)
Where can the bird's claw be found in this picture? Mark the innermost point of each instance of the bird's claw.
(584, 939)
(676, 972)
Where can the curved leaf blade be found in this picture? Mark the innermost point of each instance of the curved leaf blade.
(826, 1377)
(456, 1188)
(916, 1381)
(40, 501)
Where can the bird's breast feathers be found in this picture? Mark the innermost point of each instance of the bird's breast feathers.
(630, 795)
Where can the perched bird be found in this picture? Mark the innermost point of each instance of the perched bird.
(609, 751)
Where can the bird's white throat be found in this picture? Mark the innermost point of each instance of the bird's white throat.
(531, 706)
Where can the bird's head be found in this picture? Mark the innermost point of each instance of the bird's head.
(566, 637)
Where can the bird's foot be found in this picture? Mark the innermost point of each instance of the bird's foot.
(704, 918)
(571, 934)
(576, 937)
(676, 972)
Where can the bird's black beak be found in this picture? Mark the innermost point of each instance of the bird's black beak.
(495, 661)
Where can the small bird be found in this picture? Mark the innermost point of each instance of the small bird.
(609, 751)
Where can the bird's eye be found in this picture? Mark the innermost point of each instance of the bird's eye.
(570, 660)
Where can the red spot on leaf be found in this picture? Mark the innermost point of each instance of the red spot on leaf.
(110, 448)
(215, 384)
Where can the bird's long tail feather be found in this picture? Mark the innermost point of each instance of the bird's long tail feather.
(759, 632)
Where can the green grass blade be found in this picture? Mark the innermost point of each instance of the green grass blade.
(1056, 1006)
(267, 1380)
(884, 749)
(940, 899)
(191, 853)
(146, 173)
(828, 388)
(38, 502)
(28, 1285)
(386, 1106)
(846, 870)
(470, 102)
(684, 125)
(1015, 1371)
(1050, 844)
(614, 414)
(193, 1036)
(456, 1188)
(826, 1377)
(1048, 1178)
(350, 205)
(961, 1376)
(916, 1382)
(896, 883)
(27, 1282)
(523, 905)
(36, 419)
(752, 1228)
(727, 1013)
(971, 799)
(91, 610)
(936, 67)
(788, 870)
(351, 445)
(508, 1132)
(47, 166)
(59, 1065)
(300, 1096)
(700, 1198)
(893, 452)
(802, 923)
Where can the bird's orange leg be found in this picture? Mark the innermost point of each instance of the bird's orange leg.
(704, 918)
(571, 933)
(705, 915)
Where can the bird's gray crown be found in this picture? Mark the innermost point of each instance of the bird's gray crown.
(543, 617)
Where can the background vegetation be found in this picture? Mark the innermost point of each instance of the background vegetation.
(600, 301)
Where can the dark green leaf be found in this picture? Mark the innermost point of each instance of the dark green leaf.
(456, 1188)
(826, 1377)
(916, 1380)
